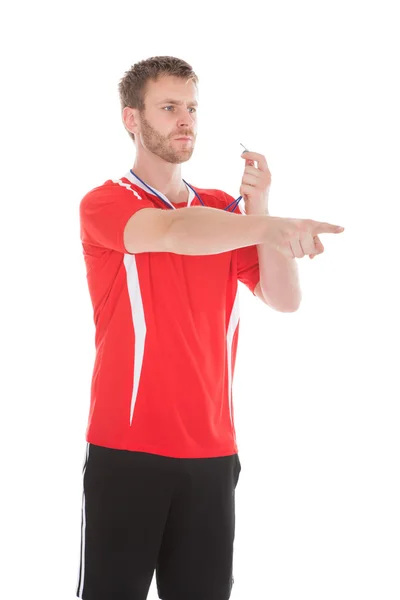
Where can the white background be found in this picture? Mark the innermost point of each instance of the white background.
(312, 86)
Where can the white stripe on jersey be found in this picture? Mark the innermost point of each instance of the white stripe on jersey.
(138, 321)
(128, 187)
(232, 326)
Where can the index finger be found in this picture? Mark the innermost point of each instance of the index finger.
(260, 158)
(320, 227)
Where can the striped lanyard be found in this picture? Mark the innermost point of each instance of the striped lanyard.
(234, 203)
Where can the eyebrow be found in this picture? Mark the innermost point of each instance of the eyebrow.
(178, 102)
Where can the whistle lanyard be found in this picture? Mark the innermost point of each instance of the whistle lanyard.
(234, 203)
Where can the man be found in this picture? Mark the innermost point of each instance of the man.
(163, 262)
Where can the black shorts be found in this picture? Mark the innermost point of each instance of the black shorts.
(143, 513)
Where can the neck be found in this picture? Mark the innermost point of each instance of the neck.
(163, 176)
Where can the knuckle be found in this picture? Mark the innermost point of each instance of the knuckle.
(303, 227)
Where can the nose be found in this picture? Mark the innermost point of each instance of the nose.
(185, 118)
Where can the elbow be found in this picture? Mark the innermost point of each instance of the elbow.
(287, 307)
(170, 233)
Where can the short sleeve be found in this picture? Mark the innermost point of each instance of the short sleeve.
(248, 268)
(105, 211)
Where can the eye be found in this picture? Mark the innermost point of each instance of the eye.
(192, 108)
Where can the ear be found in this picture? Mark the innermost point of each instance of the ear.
(130, 119)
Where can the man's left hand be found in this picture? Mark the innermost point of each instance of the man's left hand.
(255, 184)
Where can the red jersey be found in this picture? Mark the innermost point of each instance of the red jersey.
(167, 330)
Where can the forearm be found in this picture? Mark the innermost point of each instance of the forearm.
(200, 230)
(279, 279)
(279, 276)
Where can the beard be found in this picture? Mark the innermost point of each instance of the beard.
(160, 145)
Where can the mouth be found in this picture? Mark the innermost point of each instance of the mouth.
(185, 139)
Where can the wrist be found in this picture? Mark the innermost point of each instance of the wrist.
(257, 211)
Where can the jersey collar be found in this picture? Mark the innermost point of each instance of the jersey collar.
(138, 183)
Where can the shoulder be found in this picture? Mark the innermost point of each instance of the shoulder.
(111, 190)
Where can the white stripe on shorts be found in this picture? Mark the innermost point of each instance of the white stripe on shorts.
(81, 573)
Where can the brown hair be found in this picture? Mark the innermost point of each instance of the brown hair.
(132, 87)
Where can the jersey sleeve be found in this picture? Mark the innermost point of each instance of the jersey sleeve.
(248, 268)
(104, 213)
